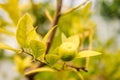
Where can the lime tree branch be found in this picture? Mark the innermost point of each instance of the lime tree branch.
(55, 22)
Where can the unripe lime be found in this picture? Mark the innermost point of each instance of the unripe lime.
(67, 51)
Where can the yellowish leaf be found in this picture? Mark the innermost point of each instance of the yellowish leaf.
(38, 48)
(48, 34)
(32, 35)
(64, 38)
(86, 8)
(12, 7)
(87, 53)
(24, 27)
(74, 39)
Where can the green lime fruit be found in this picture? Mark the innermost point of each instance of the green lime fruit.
(67, 51)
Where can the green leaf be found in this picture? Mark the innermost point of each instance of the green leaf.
(74, 39)
(87, 53)
(85, 12)
(38, 48)
(42, 58)
(24, 28)
(48, 34)
(40, 70)
(5, 46)
(64, 38)
(32, 35)
(56, 42)
(52, 58)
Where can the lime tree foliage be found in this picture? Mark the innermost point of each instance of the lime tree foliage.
(110, 9)
(62, 53)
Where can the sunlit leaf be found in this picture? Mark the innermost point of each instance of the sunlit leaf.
(32, 35)
(86, 9)
(38, 48)
(87, 53)
(52, 58)
(64, 38)
(56, 42)
(74, 39)
(40, 70)
(5, 46)
(42, 58)
(24, 27)
(48, 34)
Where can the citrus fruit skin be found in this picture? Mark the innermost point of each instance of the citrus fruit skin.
(67, 51)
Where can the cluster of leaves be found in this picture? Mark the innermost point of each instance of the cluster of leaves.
(30, 43)
(78, 23)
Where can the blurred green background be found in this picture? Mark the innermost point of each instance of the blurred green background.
(103, 16)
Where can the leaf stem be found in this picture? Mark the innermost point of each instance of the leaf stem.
(78, 68)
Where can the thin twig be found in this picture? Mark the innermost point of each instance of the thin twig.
(55, 22)
(73, 9)
(48, 15)
(77, 68)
